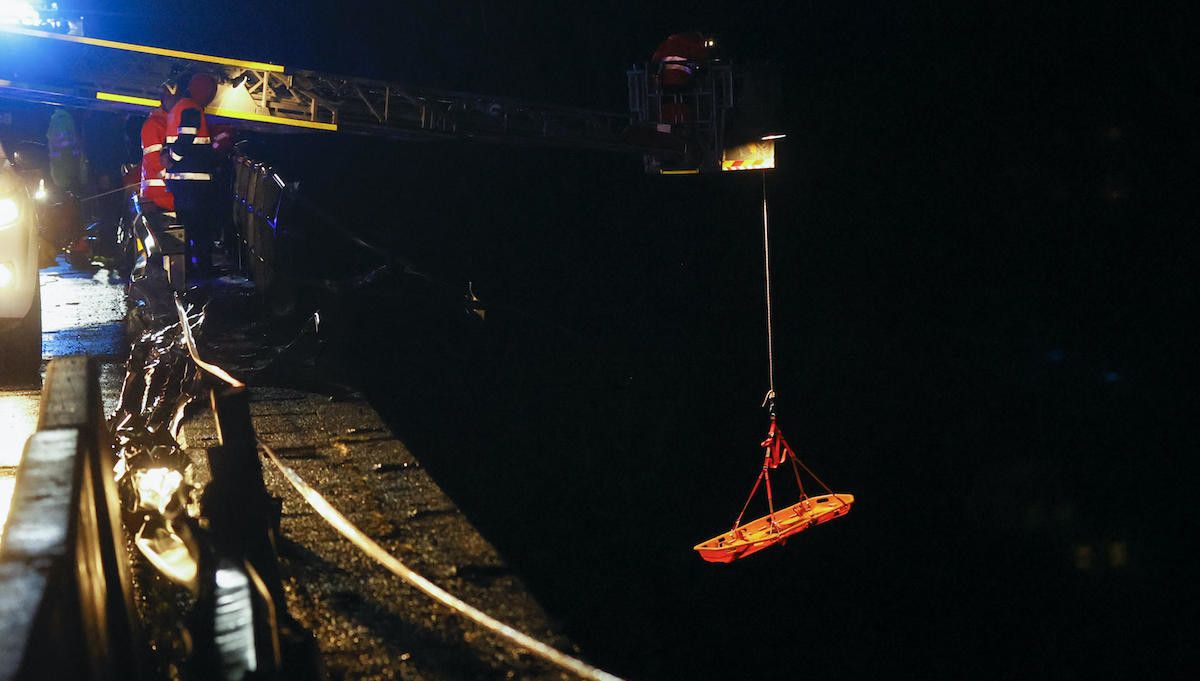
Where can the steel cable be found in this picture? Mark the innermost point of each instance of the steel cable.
(769, 400)
(110, 191)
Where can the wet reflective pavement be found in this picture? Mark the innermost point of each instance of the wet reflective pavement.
(18, 418)
(83, 313)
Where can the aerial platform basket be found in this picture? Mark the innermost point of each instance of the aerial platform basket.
(776, 526)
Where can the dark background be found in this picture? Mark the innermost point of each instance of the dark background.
(981, 225)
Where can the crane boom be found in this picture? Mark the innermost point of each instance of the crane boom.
(87, 72)
(676, 129)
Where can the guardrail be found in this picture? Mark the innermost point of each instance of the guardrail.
(67, 608)
(262, 203)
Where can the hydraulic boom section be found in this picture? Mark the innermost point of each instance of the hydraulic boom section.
(680, 102)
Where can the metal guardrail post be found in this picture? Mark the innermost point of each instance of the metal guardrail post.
(67, 608)
(243, 517)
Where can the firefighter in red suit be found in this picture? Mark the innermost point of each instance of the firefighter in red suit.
(191, 160)
(680, 56)
(153, 187)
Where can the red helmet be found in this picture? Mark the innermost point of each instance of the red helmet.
(202, 88)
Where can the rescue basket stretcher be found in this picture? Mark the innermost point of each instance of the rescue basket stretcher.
(774, 528)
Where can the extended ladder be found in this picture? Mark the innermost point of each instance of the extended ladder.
(88, 72)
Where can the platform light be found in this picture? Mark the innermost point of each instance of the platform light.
(773, 136)
(9, 213)
(756, 155)
(234, 97)
(40, 194)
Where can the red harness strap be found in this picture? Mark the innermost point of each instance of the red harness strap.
(776, 450)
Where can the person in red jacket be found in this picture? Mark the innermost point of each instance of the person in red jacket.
(153, 187)
(680, 56)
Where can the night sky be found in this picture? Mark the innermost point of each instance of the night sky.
(983, 221)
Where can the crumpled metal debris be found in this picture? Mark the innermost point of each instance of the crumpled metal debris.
(158, 481)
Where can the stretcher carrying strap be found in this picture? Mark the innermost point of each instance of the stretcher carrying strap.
(776, 450)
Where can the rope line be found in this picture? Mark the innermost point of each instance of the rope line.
(195, 354)
(380, 555)
(111, 191)
(769, 399)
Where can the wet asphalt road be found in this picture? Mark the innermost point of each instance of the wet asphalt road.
(83, 313)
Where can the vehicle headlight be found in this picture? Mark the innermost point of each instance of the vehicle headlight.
(6, 273)
(9, 212)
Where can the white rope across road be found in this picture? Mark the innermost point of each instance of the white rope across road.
(380, 555)
(191, 346)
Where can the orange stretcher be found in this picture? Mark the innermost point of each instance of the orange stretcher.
(776, 526)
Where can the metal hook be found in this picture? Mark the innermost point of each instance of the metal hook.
(769, 402)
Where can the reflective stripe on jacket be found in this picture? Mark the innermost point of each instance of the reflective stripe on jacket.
(188, 153)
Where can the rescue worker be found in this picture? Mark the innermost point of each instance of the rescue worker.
(153, 187)
(678, 60)
(680, 56)
(191, 160)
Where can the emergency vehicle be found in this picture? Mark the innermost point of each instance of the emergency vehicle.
(20, 294)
